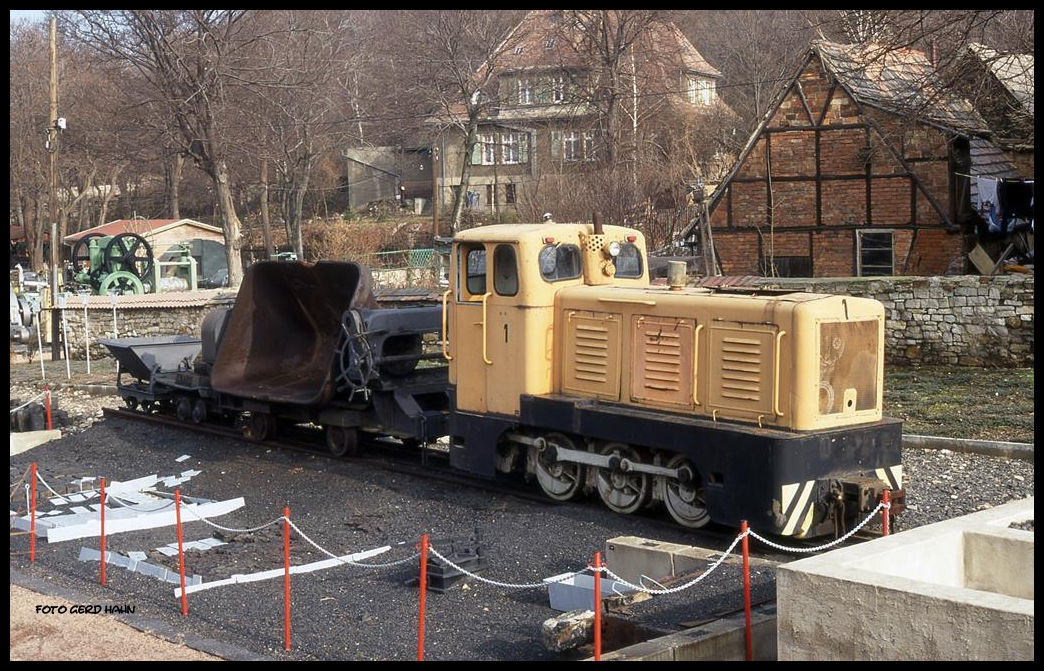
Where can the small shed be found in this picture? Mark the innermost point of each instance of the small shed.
(166, 236)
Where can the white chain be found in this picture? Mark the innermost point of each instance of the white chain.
(679, 588)
(495, 583)
(44, 482)
(231, 530)
(40, 395)
(842, 539)
(347, 561)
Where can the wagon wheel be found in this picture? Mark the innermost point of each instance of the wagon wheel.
(686, 500)
(259, 426)
(184, 409)
(129, 252)
(121, 282)
(342, 441)
(199, 411)
(622, 491)
(81, 252)
(560, 480)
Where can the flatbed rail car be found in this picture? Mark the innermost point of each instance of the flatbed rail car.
(561, 363)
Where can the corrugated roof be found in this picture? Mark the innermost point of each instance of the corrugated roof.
(173, 299)
(1014, 71)
(899, 80)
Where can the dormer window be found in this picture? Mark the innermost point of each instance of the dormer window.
(518, 50)
(550, 44)
(700, 90)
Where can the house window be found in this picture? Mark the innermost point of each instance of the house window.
(556, 145)
(489, 149)
(786, 266)
(525, 92)
(589, 146)
(701, 91)
(558, 88)
(509, 194)
(876, 253)
(571, 146)
(511, 143)
(518, 50)
(491, 194)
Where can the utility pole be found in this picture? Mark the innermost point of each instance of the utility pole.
(52, 149)
(435, 156)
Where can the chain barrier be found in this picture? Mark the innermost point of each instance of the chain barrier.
(42, 394)
(842, 539)
(228, 529)
(679, 588)
(346, 561)
(561, 578)
(44, 483)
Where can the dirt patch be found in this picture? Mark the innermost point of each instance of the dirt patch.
(974, 403)
(69, 637)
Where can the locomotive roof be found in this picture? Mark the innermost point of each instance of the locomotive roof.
(517, 232)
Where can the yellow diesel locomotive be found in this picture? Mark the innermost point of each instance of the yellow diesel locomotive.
(561, 362)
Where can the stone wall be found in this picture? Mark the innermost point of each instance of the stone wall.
(965, 320)
(137, 322)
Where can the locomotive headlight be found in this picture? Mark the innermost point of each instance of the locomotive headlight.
(613, 249)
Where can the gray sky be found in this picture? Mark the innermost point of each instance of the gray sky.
(31, 14)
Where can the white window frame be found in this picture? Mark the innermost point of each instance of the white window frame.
(701, 90)
(589, 145)
(860, 269)
(525, 92)
(572, 146)
(511, 144)
(489, 148)
(558, 89)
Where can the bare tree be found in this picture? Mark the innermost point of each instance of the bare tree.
(190, 59)
(454, 62)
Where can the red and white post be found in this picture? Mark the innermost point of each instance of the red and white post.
(423, 595)
(886, 499)
(47, 405)
(598, 606)
(32, 516)
(746, 588)
(181, 552)
(103, 532)
(286, 576)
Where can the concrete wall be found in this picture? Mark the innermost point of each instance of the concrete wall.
(915, 595)
(966, 320)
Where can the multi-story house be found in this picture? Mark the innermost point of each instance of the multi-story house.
(553, 114)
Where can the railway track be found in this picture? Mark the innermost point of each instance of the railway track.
(433, 464)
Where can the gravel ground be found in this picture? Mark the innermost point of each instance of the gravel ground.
(371, 614)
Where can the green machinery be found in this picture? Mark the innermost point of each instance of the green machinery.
(119, 264)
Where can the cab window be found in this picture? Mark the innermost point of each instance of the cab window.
(505, 271)
(629, 262)
(560, 262)
(475, 271)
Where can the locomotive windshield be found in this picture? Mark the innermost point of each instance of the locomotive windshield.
(560, 262)
(629, 261)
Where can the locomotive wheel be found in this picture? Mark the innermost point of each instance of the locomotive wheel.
(342, 441)
(623, 492)
(184, 409)
(560, 480)
(259, 426)
(199, 411)
(685, 501)
(131, 403)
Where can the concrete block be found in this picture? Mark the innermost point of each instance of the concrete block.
(632, 557)
(961, 589)
(27, 440)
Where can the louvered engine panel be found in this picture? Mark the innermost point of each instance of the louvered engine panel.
(662, 360)
(592, 354)
(741, 362)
